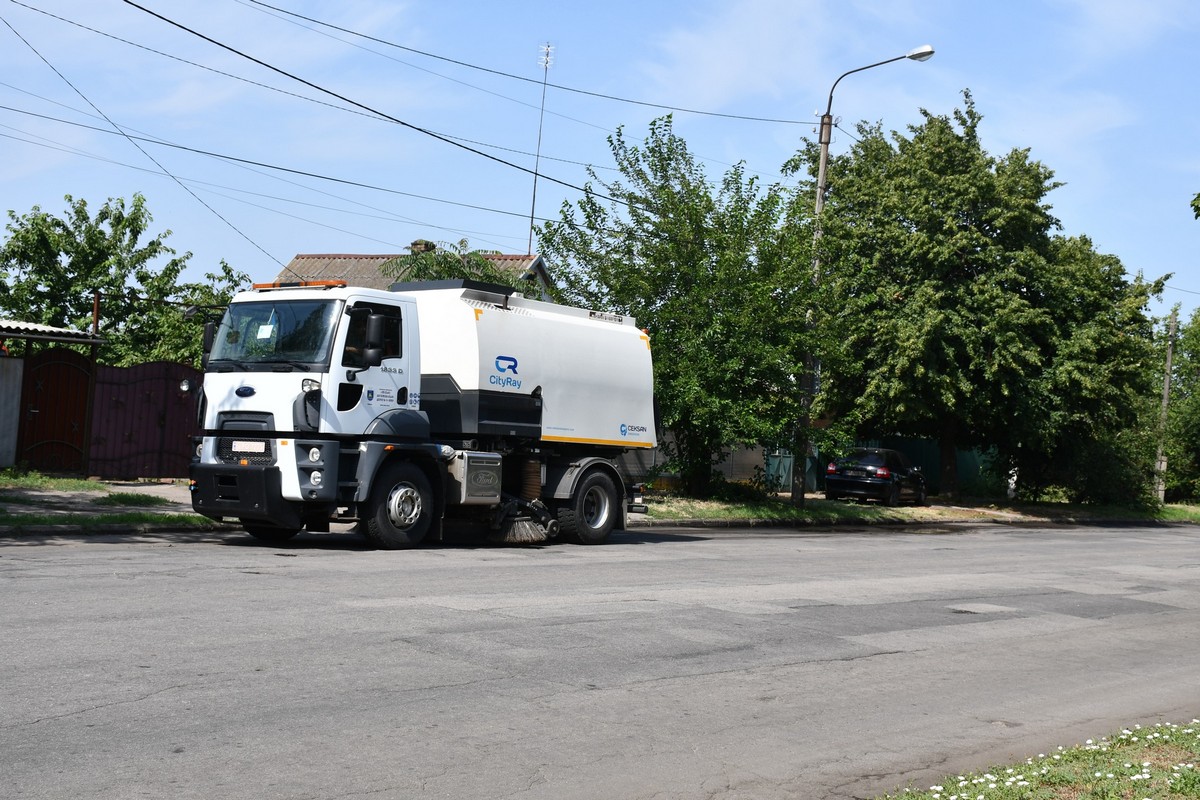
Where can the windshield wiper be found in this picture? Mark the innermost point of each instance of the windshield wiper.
(226, 365)
(287, 365)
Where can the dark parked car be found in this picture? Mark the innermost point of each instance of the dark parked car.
(873, 473)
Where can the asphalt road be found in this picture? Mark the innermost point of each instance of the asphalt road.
(666, 665)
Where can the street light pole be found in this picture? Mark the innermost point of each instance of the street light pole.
(922, 53)
(800, 459)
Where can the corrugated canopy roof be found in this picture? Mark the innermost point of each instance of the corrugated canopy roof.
(14, 329)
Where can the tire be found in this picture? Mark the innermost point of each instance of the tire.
(399, 510)
(593, 510)
(922, 499)
(832, 496)
(269, 533)
(892, 498)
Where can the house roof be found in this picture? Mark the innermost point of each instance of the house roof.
(363, 270)
(15, 329)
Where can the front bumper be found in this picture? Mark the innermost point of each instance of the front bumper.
(251, 493)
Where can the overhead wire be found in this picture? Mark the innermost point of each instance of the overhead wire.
(511, 76)
(343, 98)
(211, 187)
(267, 165)
(370, 112)
(292, 18)
(261, 85)
(118, 128)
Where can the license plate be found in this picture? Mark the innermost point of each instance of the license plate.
(855, 473)
(249, 447)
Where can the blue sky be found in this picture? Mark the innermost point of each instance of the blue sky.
(1102, 92)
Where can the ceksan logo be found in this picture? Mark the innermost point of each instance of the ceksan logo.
(633, 430)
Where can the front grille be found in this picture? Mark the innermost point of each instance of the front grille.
(243, 442)
(236, 450)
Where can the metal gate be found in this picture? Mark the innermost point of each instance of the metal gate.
(141, 422)
(54, 395)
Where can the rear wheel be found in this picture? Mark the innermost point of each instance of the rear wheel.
(269, 533)
(892, 498)
(593, 510)
(399, 511)
(922, 500)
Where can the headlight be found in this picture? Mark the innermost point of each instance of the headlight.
(310, 385)
(315, 478)
(314, 455)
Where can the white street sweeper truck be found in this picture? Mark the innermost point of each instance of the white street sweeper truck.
(402, 410)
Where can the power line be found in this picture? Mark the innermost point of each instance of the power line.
(118, 128)
(521, 77)
(277, 89)
(275, 167)
(345, 99)
(210, 186)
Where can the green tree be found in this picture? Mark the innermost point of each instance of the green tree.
(713, 273)
(962, 317)
(169, 321)
(429, 261)
(1183, 423)
(51, 268)
(1093, 410)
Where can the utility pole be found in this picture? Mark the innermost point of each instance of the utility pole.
(812, 368)
(544, 62)
(1160, 463)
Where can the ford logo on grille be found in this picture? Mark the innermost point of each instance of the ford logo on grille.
(244, 391)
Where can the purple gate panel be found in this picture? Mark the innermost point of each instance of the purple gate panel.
(54, 390)
(142, 421)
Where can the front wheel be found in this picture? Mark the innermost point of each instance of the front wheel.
(399, 510)
(592, 512)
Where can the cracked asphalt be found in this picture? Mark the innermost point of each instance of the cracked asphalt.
(669, 664)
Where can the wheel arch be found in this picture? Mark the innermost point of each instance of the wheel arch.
(561, 479)
(376, 456)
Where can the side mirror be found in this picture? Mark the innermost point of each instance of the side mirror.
(210, 335)
(373, 353)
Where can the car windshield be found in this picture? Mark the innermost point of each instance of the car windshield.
(296, 332)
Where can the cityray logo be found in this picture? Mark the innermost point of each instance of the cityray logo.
(505, 364)
(632, 430)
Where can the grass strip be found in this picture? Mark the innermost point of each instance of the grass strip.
(1151, 763)
(19, 523)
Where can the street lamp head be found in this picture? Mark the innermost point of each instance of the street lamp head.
(922, 53)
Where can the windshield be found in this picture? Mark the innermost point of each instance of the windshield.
(276, 332)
